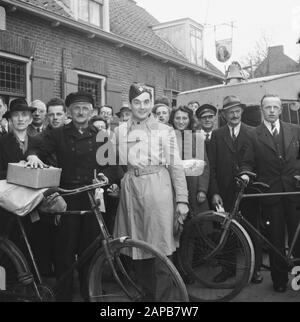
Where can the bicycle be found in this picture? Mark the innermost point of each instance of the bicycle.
(112, 271)
(213, 241)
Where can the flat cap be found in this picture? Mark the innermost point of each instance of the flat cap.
(204, 109)
(80, 96)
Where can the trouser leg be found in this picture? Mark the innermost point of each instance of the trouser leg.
(251, 212)
(67, 235)
(292, 215)
(274, 218)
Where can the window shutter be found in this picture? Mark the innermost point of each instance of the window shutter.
(42, 82)
(114, 95)
(70, 82)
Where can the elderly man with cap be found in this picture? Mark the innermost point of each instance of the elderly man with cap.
(206, 115)
(226, 151)
(154, 180)
(125, 113)
(75, 146)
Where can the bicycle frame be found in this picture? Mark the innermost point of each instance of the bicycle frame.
(235, 214)
(101, 242)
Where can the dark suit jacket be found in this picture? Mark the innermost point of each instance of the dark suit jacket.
(76, 155)
(10, 151)
(261, 157)
(31, 130)
(225, 161)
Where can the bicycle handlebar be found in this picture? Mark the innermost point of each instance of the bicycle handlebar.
(102, 181)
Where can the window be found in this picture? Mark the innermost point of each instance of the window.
(12, 77)
(291, 112)
(93, 84)
(196, 46)
(88, 10)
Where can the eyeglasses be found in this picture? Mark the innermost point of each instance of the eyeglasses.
(105, 113)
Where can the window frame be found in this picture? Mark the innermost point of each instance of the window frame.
(286, 109)
(28, 62)
(196, 38)
(74, 6)
(95, 76)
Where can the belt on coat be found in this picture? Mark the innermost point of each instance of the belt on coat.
(150, 169)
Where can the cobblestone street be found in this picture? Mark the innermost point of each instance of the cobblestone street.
(264, 292)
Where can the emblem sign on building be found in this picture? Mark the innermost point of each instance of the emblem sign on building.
(2, 19)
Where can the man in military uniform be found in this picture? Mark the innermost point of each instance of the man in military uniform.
(75, 146)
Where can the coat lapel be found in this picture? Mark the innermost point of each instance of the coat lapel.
(265, 136)
(227, 138)
(241, 137)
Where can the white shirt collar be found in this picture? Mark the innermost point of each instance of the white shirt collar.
(236, 129)
(269, 126)
(205, 133)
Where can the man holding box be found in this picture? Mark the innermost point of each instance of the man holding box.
(75, 147)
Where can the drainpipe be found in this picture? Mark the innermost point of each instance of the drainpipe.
(106, 23)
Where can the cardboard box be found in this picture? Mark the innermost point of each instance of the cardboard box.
(18, 174)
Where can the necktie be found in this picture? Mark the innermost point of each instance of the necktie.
(274, 130)
(233, 135)
(207, 137)
(39, 130)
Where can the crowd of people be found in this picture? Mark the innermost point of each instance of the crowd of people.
(152, 146)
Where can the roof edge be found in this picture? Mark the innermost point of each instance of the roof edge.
(108, 36)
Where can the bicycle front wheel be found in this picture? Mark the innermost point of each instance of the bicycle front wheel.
(221, 276)
(15, 274)
(120, 278)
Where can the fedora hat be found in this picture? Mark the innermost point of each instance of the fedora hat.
(125, 107)
(232, 101)
(18, 105)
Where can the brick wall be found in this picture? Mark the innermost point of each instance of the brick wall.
(63, 49)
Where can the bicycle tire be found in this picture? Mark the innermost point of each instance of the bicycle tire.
(104, 287)
(200, 236)
(18, 278)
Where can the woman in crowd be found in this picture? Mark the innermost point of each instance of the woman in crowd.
(192, 146)
(162, 113)
(13, 149)
(14, 145)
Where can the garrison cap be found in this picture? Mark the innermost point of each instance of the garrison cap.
(136, 90)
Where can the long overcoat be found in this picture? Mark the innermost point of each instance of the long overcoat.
(146, 207)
